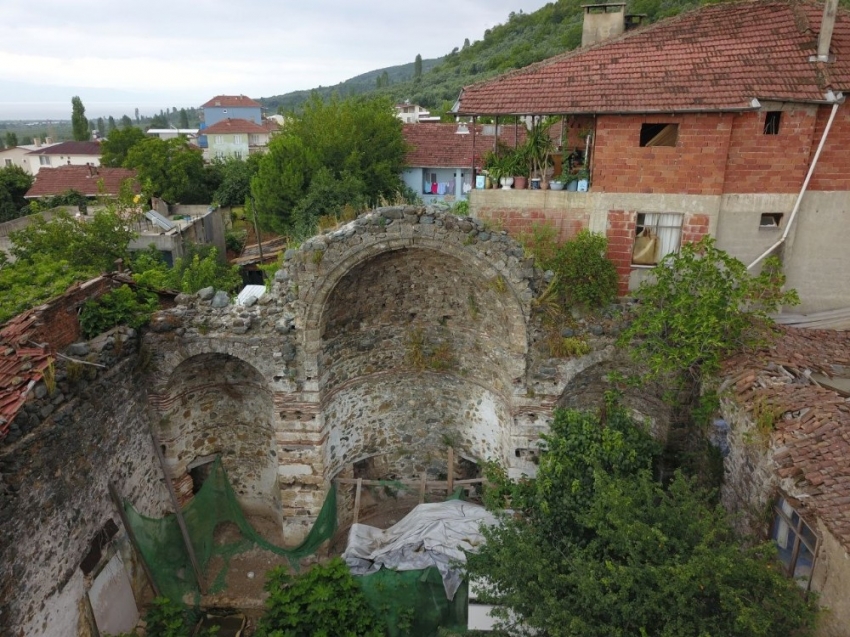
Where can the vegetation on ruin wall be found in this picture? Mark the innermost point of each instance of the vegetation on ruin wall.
(600, 547)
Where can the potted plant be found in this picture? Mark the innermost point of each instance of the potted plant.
(556, 184)
(520, 164)
(540, 148)
(582, 179)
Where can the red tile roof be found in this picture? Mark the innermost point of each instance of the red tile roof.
(810, 443)
(718, 57)
(22, 365)
(70, 148)
(440, 146)
(232, 126)
(87, 180)
(231, 101)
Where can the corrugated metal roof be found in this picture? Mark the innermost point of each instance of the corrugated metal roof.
(158, 220)
(248, 291)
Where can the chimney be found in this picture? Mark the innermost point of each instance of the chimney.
(825, 36)
(37, 142)
(48, 140)
(602, 21)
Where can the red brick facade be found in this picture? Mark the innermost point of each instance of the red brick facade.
(833, 169)
(695, 166)
(521, 220)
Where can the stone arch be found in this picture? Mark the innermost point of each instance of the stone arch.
(214, 403)
(395, 280)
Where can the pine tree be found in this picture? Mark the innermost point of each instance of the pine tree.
(184, 118)
(417, 67)
(79, 123)
(112, 125)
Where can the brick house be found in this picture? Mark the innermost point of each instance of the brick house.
(728, 119)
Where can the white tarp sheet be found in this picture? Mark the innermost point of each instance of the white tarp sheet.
(430, 535)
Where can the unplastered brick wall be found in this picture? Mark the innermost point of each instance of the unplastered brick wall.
(518, 211)
(696, 165)
(621, 239)
(54, 497)
(833, 169)
(774, 163)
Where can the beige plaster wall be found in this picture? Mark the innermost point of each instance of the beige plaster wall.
(831, 580)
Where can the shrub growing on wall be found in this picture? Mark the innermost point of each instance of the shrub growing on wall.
(121, 306)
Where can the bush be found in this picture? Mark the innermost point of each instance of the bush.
(585, 275)
(122, 306)
(323, 602)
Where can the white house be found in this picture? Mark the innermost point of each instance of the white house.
(18, 155)
(237, 138)
(172, 133)
(414, 114)
(64, 154)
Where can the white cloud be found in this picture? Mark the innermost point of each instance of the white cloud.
(168, 51)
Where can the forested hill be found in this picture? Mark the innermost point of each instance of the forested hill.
(525, 38)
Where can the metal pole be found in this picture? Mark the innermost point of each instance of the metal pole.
(116, 500)
(257, 232)
(181, 522)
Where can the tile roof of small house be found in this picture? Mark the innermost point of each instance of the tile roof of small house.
(22, 365)
(231, 101)
(810, 443)
(235, 126)
(90, 181)
(70, 148)
(717, 57)
(440, 145)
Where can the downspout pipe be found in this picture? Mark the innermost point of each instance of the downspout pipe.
(836, 102)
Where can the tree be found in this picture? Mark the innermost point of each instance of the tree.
(11, 139)
(79, 123)
(357, 140)
(14, 184)
(159, 121)
(101, 126)
(466, 43)
(137, 115)
(235, 183)
(184, 118)
(385, 78)
(417, 67)
(702, 306)
(114, 148)
(126, 122)
(601, 548)
(170, 169)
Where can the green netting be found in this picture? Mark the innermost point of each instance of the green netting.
(161, 542)
(414, 603)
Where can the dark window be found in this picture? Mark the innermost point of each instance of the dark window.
(795, 541)
(770, 220)
(168, 257)
(96, 546)
(771, 122)
(659, 134)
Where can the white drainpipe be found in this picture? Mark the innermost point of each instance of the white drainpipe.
(836, 100)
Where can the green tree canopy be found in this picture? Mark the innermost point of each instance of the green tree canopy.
(14, 184)
(236, 177)
(356, 141)
(114, 148)
(417, 67)
(603, 549)
(170, 169)
(79, 123)
(11, 139)
(184, 118)
(111, 124)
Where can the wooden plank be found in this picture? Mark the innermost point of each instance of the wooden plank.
(116, 500)
(422, 488)
(451, 471)
(434, 484)
(357, 500)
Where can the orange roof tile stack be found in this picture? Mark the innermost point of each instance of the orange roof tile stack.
(811, 440)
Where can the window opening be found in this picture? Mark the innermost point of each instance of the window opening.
(795, 541)
(658, 134)
(44, 160)
(8, 162)
(771, 122)
(770, 220)
(100, 541)
(199, 470)
(656, 235)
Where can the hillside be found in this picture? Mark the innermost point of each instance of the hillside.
(524, 39)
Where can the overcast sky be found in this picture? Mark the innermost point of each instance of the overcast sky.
(153, 54)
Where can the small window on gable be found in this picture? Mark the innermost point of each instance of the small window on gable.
(658, 134)
(771, 122)
(770, 220)
(795, 541)
(656, 236)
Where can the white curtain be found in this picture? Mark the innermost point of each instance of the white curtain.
(668, 228)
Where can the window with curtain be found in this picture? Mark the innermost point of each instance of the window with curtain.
(795, 541)
(657, 234)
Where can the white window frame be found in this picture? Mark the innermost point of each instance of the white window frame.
(665, 228)
(237, 139)
(794, 537)
(44, 160)
(8, 162)
(219, 139)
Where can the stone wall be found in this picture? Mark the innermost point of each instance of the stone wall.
(53, 490)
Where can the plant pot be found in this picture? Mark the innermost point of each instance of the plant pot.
(582, 185)
(556, 185)
(520, 183)
(572, 186)
(535, 183)
(506, 182)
